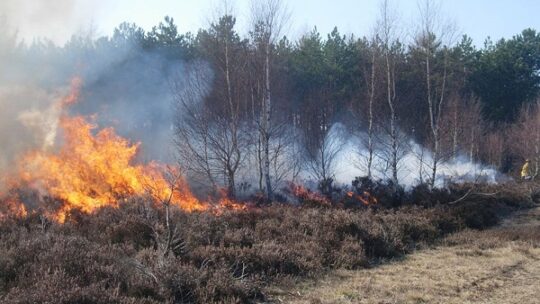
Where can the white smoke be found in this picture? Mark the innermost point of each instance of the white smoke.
(414, 165)
(55, 20)
(28, 120)
(123, 86)
(349, 163)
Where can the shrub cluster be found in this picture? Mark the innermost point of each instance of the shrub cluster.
(130, 254)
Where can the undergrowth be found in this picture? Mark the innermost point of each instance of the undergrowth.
(129, 255)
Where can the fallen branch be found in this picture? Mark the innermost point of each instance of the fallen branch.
(470, 193)
(467, 194)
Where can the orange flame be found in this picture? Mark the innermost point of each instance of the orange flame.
(304, 194)
(91, 171)
(225, 203)
(73, 96)
(12, 207)
(366, 198)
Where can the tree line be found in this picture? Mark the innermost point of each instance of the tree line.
(264, 108)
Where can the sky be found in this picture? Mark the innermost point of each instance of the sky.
(59, 19)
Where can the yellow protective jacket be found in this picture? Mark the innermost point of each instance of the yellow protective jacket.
(525, 171)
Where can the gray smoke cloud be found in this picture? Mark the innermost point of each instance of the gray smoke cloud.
(123, 86)
(56, 20)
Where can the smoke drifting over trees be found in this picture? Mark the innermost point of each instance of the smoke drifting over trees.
(249, 112)
(52, 19)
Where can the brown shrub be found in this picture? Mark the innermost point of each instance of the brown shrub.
(114, 256)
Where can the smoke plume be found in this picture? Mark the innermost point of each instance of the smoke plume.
(55, 20)
(121, 86)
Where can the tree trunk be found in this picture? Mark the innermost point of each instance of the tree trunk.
(370, 126)
(266, 130)
(421, 166)
(260, 161)
(393, 131)
(234, 151)
(537, 153)
(231, 187)
(455, 132)
(472, 146)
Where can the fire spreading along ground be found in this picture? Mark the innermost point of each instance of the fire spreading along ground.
(366, 198)
(305, 195)
(94, 169)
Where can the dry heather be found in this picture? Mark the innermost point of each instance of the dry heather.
(500, 265)
(129, 254)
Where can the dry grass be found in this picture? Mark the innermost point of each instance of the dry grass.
(501, 265)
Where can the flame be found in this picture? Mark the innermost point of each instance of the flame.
(304, 194)
(366, 198)
(225, 203)
(12, 207)
(73, 96)
(94, 169)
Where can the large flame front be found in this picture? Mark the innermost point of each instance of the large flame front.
(92, 168)
(90, 171)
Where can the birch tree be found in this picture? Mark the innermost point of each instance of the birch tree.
(433, 40)
(387, 33)
(210, 124)
(268, 19)
(371, 71)
(526, 136)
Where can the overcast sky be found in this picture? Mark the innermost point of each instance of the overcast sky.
(58, 19)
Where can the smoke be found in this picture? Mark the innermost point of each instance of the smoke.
(26, 120)
(344, 158)
(414, 165)
(131, 92)
(122, 86)
(55, 20)
(128, 88)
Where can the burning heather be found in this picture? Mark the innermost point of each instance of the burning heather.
(93, 171)
(208, 166)
(94, 168)
(366, 198)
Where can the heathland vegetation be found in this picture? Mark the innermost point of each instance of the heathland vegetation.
(259, 125)
(142, 253)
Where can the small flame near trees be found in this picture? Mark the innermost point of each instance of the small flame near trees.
(306, 196)
(365, 198)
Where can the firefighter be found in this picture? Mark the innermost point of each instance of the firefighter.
(526, 170)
